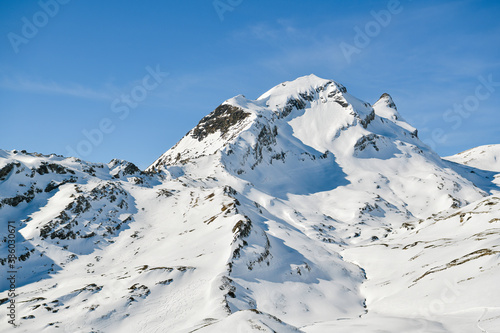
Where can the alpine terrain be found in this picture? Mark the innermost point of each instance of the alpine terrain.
(305, 210)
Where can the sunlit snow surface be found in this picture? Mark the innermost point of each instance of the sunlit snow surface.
(306, 210)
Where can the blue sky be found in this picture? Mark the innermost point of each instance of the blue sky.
(66, 65)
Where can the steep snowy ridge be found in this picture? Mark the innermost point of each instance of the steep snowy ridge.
(305, 210)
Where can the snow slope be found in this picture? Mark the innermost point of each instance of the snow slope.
(483, 157)
(305, 210)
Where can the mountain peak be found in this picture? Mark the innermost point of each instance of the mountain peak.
(386, 108)
(386, 100)
(319, 113)
(303, 87)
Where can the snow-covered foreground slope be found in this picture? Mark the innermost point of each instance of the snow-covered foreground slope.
(306, 210)
(443, 269)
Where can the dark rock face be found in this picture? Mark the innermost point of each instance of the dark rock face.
(300, 103)
(28, 196)
(365, 141)
(53, 185)
(368, 119)
(5, 171)
(129, 169)
(266, 138)
(292, 103)
(45, 168)
(342, 103)
(221, 119)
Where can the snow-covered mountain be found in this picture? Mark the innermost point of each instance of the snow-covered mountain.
(305, 210)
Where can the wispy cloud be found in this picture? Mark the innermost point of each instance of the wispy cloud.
(293, 46)
(267, 32)
(53, 88)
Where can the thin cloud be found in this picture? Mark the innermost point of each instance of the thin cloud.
(276, 33)
(53, 88)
